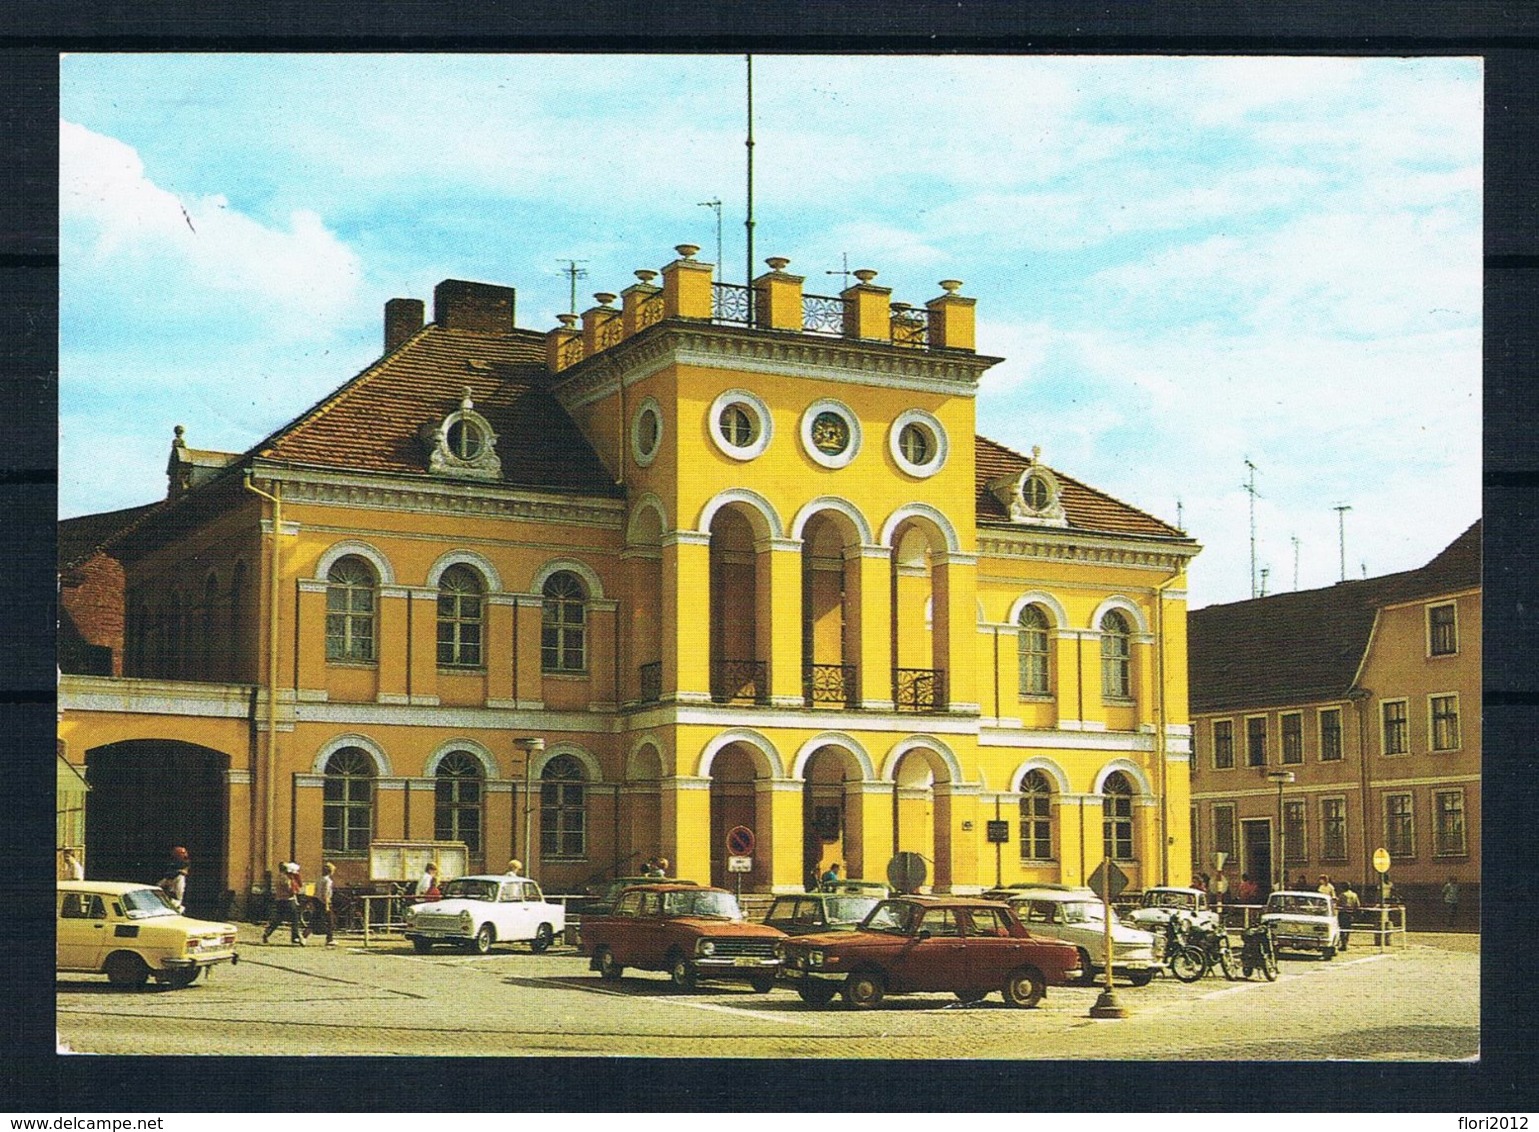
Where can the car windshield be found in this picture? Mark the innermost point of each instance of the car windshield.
(849, 909)
(894, 916)
(466, 889)
(1169, 900)
(1298, 903)
(702, 902)
(142, 903)
(1084, 911)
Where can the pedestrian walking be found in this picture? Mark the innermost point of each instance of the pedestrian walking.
(831, 876)
(173, 878)
(73, 869)
(515, 868)
(1346, 911)
(427, 886)
(286, 889)
(1451, 900)
(325, 893)
(1326, 888)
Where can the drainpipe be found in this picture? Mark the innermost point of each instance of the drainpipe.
(1159, 735)
(269, 796)
(1360, 697)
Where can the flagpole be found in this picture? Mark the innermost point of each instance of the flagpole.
(749, 223)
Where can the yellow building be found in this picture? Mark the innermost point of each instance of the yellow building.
(1367, 694)
(715, 556)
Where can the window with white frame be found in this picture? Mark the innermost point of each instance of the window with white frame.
(563, 632)
(1116, 656)
(1223, 829)
(1036, 817)
(1442, 629)
(1223, 744)
(1396, 727)
(1448, 830)
(350, 587)
(1400, 826)
(1117, 817)
(460, 612)
(1333, 829)
(1445, 722)
(563, 809)
(1032, 639)
(1292, 738)
(1330, 735)
(457, 797)
(1255, 741)
(1295, 836)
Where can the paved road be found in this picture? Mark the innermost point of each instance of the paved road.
(1418, 1001)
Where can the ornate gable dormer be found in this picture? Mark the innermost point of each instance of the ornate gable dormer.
(464, 445)
(1033, 495)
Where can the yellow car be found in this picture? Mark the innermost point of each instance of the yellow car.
(132, 931)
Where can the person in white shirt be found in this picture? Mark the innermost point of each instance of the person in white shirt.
(428, 885)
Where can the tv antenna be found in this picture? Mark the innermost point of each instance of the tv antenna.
(844, 258)
(1295, 562)
(1265, 570)
(1250, 489)
(748, 224)
(574, 273)
(1341, 510)
(715, 203)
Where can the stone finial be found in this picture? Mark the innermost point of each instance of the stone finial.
(951, 286)
(777, 262)
(646, 276)
(568, 321)
(466, 404)
(179, 430)
(687, 251)
(603, 298)
(864, 274)
(1036, 453)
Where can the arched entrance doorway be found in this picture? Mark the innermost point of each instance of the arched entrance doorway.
(833, 817)
(921, 810)
(148, 795)
(921, 587)
(743, 773)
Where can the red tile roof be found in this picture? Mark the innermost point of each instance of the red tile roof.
(1085, 508)
(1306, 646)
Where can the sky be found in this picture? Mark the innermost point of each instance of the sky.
(1186, 263)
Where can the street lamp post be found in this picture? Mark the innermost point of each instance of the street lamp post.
(530, 746)
(1282, 778)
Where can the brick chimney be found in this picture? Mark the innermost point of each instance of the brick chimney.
(403, 318)
(482, 307)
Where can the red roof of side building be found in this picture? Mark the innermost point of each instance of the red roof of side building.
(1307, 645)
(1086, 509)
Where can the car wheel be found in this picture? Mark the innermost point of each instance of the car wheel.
(483, 941)
(608, 969)
(762, 984)
(180, 977)
(1141, 978)
(125, 969)
(817, 992)
(422, 946)
(1328, 954)
(683, 973)
(1024, 987)
(863, 990)
(972, 995)
(543, 936)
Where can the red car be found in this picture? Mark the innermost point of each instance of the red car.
(929, 943)
(689, 931)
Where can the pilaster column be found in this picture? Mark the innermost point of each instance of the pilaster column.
(873, 629)
(684, 825)
(310, 641)
(956, 623)
(528, 681)
(601, 654)
(424, 647)
(778, 852)
(957, 836)
(780, 617)
(308, 799)
(390, 647)
(497, 825)
(868, 811)
(497, 648)
(1144, 688)
(686, 617)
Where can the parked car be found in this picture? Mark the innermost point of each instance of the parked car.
(689, 931)
(820, 912)
(908, 944)
(1078, 916)
(603, 896)
(132, 931)
(1303, 921)
(477, 911)
(1160, 903)
(851, 887)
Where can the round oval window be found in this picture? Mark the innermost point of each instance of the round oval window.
(738, 427)
(917, 444)
(647, 430)
(1036, 493)
(464, 440)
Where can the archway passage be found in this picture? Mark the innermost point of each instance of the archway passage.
(832, 818)
(921, 817)
(148, 795)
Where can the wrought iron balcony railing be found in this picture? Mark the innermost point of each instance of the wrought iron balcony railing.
(919, 689)
(651, 682)
(830, 684)
(739, 682)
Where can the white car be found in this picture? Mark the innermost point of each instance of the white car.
(129, 932)
(477, 911)
(1077, 916)
(1164, 901)
(1303, 921)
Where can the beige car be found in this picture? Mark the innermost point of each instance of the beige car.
(129, 932)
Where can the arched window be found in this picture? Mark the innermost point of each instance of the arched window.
(563, 809)
(1117, 817)
(563, 636)
(1116, 682)
(1036, 817)
(1033, 650)
(459, 617)
(457, 800)
(350, 610)
(347, 811)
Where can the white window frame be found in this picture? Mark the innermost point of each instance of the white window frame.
(1384, 727)
(1464, 834)
(1282, 738)
(937, 432)
(1458, 744)
(1234, 830)
(1341, 736)
(1266, 742)
(1346, 830)
(755, 407)
(1213, 741)
(1454, 605)
(643, 457)
(1411, 813)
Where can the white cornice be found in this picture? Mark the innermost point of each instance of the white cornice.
(1103, 550)
(793, 356)
(154, 697)
(386, 493)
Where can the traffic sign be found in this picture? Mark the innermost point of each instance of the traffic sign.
(906, 871)
(1108, 880)
(740, 841)
(1381, 859)
(740, 864)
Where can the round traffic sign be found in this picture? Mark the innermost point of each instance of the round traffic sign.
(740, 841)
(906, 871)
(1381, 859)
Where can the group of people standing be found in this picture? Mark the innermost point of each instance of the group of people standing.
(287, 903)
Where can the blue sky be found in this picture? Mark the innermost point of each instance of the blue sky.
(1186, 262)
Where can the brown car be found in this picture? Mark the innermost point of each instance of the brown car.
(929, 943)
(689, 931)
